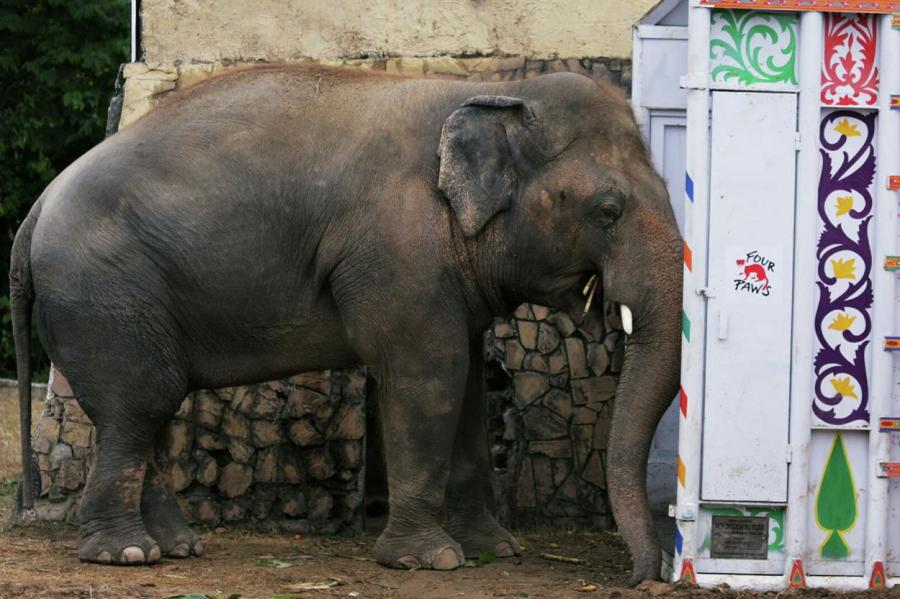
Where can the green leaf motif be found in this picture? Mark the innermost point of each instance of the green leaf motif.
(751, 47)
(836, 508)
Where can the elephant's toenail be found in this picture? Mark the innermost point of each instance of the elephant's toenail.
(180, 550)
(104, 557)
(132, 555)
(408, 562)
(155, 554)
(447, 559)
(504, 549)
(198, 548)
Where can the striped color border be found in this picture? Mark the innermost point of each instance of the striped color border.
(865, 6)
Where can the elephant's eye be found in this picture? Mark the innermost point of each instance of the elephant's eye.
(607, 209)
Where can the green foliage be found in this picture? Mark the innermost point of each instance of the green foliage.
(58, 64)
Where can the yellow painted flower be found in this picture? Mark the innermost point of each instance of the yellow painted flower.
(844, 269)
(844, 205)
(844, 387)
(847, 129)
(841, 322)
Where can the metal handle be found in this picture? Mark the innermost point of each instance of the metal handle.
(723, 325)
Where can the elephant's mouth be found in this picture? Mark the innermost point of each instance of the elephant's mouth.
(589, 289)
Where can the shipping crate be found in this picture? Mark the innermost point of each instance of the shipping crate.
(789, 428)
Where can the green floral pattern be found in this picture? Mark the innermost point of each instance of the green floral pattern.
(751, 47)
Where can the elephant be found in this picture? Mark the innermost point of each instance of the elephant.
(288, 218)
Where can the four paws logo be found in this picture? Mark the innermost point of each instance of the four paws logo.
(754, 272)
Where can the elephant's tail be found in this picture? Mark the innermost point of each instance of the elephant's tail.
(21, 296)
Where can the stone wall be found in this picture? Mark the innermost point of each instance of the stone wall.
(285, 455)
(238, 31)
(550, 389)
(146, 83)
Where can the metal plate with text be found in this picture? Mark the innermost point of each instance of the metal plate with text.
(739, 537)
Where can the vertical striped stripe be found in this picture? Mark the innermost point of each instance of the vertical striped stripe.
(681, 471)
(688, 257)
(689, 186)
(683, 402)
(685, 325)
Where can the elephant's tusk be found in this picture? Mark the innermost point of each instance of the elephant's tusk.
(627, 323)
(590, 298)
(587, 287)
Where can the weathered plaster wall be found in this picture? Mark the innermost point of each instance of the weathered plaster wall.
(271, 30)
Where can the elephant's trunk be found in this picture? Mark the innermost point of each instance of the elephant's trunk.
(647, 385)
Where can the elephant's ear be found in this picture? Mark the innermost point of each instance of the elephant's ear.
(478, 171)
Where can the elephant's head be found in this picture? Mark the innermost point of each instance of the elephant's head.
(551, 184)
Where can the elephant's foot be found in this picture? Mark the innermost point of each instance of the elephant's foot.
(127, 545)
(646, 567)
(479, 533)
(428, 549)
(175, 537)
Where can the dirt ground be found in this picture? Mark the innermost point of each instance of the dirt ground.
(40, 562)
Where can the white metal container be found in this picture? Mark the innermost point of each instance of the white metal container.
(789, 429)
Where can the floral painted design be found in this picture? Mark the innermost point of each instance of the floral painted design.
(751, 47)
(849, 71)
(843, 320)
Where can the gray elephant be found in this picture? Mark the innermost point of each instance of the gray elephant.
(285, 219)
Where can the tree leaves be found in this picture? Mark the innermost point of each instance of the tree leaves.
(58, 64)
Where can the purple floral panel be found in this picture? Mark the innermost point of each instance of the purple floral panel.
(844, 312)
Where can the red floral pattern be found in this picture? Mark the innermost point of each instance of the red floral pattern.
(849, 74)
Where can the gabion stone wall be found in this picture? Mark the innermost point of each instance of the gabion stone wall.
(549, 427)
(286, 455)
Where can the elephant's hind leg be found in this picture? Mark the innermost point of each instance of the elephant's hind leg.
(129, 382)
(112, 530)
(469, 518)
(162, 516)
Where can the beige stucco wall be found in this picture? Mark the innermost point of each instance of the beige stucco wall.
(237, 30)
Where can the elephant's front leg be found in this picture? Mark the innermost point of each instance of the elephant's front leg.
(420, 398)
(469, 517)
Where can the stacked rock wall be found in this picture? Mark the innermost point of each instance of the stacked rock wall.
(549, 428)
(286, 454)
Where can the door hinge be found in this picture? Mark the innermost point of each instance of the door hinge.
(706, 292)
(798, 141)
(685, 513)
(789, 454)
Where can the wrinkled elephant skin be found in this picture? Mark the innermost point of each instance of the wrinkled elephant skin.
(285, 219)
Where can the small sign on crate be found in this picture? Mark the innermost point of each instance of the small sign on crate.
(890, 469)
(890, 424)
(892, 344)
(892, 262)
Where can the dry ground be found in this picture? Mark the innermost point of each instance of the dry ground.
(41, 562)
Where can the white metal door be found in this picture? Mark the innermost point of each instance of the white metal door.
(667, 146)
(748, 341)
